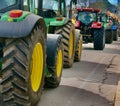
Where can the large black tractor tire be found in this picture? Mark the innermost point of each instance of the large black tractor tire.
(115, 35)
(78, 47)
(23, 69)
(99, 39)
(68, 33)
(108, 36)
(54, 61)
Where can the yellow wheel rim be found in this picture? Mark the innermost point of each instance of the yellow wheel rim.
(37, 67)
(71, 45)
(59, 63)
(80, 47)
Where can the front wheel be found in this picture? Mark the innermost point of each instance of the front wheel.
(99, 39)
(54, 63)
(115, 35)
(23, 69)
(108, 36)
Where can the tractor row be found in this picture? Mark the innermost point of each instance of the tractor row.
(96, 27)
(37, 39)
(110, 23)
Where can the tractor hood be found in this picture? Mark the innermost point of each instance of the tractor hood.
(107, 25)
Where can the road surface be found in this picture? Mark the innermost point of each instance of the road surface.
(91, 82)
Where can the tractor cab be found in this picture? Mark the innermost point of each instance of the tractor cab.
(105, 19)
(86, 19)
(54, 13)
(7, 5)
(54, 8)
(86, 16)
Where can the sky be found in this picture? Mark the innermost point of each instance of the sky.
(114, 2)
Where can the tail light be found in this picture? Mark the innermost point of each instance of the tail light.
(98, 24)
(59, 19)
(15, 13)
(77, 24)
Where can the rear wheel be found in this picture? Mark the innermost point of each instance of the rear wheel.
(23, 69)
(115, 35)
(78, 47)
(108, 36)
(99, 39)
(68, 33)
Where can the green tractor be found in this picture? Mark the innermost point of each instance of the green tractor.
(31, 58)
(114, 29)
(114, 20)
(105, 19)
(58, 20)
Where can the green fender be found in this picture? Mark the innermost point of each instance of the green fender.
(21, 28)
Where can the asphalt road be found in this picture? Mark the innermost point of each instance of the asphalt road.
(90, 82)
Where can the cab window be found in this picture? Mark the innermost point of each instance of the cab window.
(6, 3)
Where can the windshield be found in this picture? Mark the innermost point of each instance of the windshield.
(6, 3)
(50, 8)
(50, 4)
(86, 17)
(104, 18)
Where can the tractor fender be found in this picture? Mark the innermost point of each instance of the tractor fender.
(96, 25)
(53, 41)
(21, 29)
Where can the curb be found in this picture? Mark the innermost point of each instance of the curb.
(117, 96)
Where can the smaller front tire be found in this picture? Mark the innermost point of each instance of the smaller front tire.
(54, 60)
(108, 36)
(115, 35)
(99, 39)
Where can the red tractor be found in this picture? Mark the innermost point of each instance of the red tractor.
(91, 29)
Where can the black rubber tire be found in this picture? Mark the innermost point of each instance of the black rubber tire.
(53, 81)
(65, 32)
(115, 35)
(99, 39)
(16, 81)
(108, 36)
(78, 47)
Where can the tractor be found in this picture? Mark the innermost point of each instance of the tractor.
(114, 19)
(36, 41)
(58, 20)
(30, 57)
(91, 29)
(107, 23)
(115, 28)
